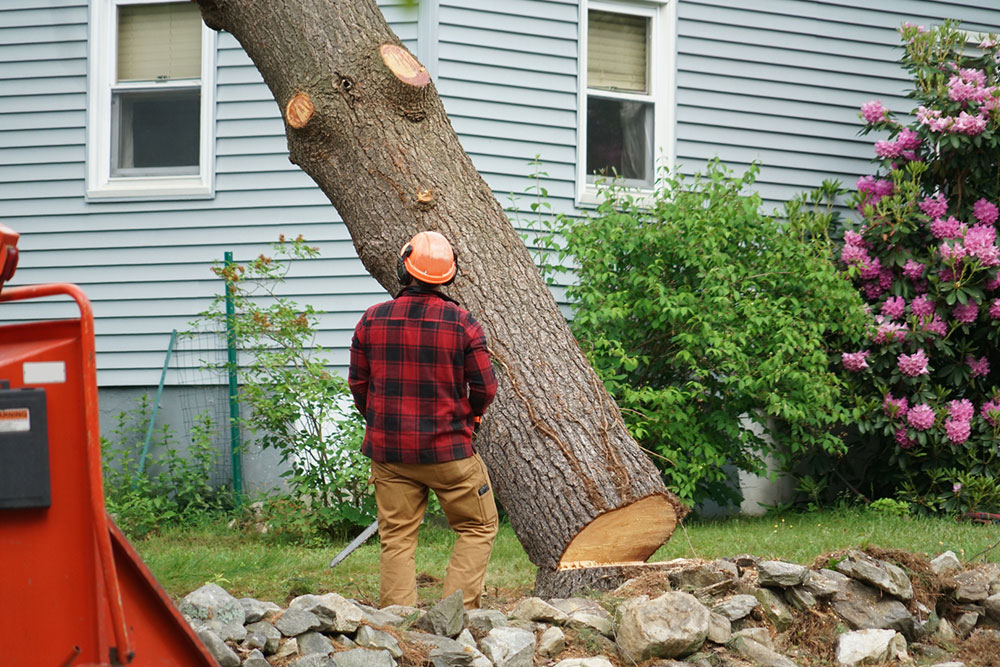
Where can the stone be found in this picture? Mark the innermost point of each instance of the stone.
(779, 574)
(314, 660)
(294, 622)
(928, 651)
(225, 656)
(584, 613)
(551, 643)
(379, 617)
(971, 586)
(212, 607)
(255, 641)
(700, 576)
(362, 657)
(287, 648)
(466, 639)
(450, 656)
(800, 598)
(880, 574)
(335, 613)
(271, 634)
(256, 610)
(965, 623)
(870, 645)
(671, 626)
(447, 617)
(945, 564)
(538, 610)
(863, 608)
(992, 607)
(736, 607)
(759, 635)
(760, 654)
(774, 608)
(825, 583)
(370, 637)
(409, 615)
(256, 659)
(944, 632)
(345, 641)
(720, 630)
(509, 647)
(314, 642)
(485, 620)
(596, 661)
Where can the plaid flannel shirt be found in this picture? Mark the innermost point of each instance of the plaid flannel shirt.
(419, 373)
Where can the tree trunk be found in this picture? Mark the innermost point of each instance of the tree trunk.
(364, 121)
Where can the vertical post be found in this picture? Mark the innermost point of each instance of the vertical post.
(234, 402)
(156, 406)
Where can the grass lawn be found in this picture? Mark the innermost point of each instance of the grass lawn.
(258, 566)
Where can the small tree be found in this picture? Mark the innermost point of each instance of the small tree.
(297, 406)
(925, 258)
(708, 322)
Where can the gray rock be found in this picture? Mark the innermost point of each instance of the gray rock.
(271, 635)
(256, 659)
(774, 608)
(362, 657)
(255, 641)
(379, 617)
(992, 607)
(370, 637)
(287, 648)
(256, 610)
(485, 620)
(965, 623)
(314, 642)
(759, 635)
(760, 654)
(293, 622)
(446, 618)
(521, 624)
(538, 610)
(779, 574)
(509, 647)
(866, 608)
(880, 574)
(335, 613)
(825, 583)
(928, 651)
(720, 630)
(870, 645)
(428, 639)
(700, 575)
(345, 641)
(800, 598)
(451, 656)
(584, 613)
(944, 632)
(972, 586)
(551, 643)
(225, 656)
(945, 564)
(213, 608)
(670, 626)
(409, 615)
(466, 639)
(736, 607)
(315, 660)
(595, 661)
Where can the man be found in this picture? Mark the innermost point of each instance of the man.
(421, 375)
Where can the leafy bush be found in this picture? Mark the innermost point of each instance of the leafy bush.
(171, 489)
(926, 260)
(708, 322)
(296, 405)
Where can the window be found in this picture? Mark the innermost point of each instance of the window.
(151, 100)
(625, 126)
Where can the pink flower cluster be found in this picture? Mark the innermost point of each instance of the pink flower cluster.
(921, 417)
(985, 212)
(873, 112)
(913, 270)
(979, 367)
(934, 207)
(991, 412)
(904, 146)
(995, 309)
(946, 229)
(855, 362)
(872, 190)
(894, 407)
(966, 313)
(922, 306)
(958, 425)
(964, 123)
(887, 332)
(914, 364)
(894, 307)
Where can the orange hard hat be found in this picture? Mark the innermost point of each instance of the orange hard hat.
(429, 258)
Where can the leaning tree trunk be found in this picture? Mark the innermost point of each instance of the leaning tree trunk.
(364, 121)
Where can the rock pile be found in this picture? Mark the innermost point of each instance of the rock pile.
(857, 608)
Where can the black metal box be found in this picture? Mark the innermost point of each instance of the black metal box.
(24, 449)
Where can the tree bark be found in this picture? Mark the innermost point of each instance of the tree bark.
(365, 122)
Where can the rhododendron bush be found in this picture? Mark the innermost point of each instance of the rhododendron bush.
(926, 259)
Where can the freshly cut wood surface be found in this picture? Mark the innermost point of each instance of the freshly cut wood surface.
(629, 534)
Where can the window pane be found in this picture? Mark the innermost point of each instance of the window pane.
(620, 139)
(155, 132)
(616, 51)
(159, 42)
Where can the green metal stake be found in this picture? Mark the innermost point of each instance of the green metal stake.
(234, 403)
(156, 405)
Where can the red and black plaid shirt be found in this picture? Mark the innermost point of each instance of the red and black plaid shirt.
(420, 373)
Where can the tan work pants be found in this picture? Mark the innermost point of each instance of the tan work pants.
(466, 496)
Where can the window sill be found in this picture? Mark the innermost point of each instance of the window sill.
(148, 189)
(587, 196)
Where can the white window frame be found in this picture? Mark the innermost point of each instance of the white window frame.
(662, 15)
(103, 76)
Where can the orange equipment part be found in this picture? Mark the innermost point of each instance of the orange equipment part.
(8, 253)
(78, 592)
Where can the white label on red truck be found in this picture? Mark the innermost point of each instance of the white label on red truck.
(15, 420)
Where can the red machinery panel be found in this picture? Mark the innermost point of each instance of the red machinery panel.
(82, 595)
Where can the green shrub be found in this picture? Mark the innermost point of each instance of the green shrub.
(708, 322)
